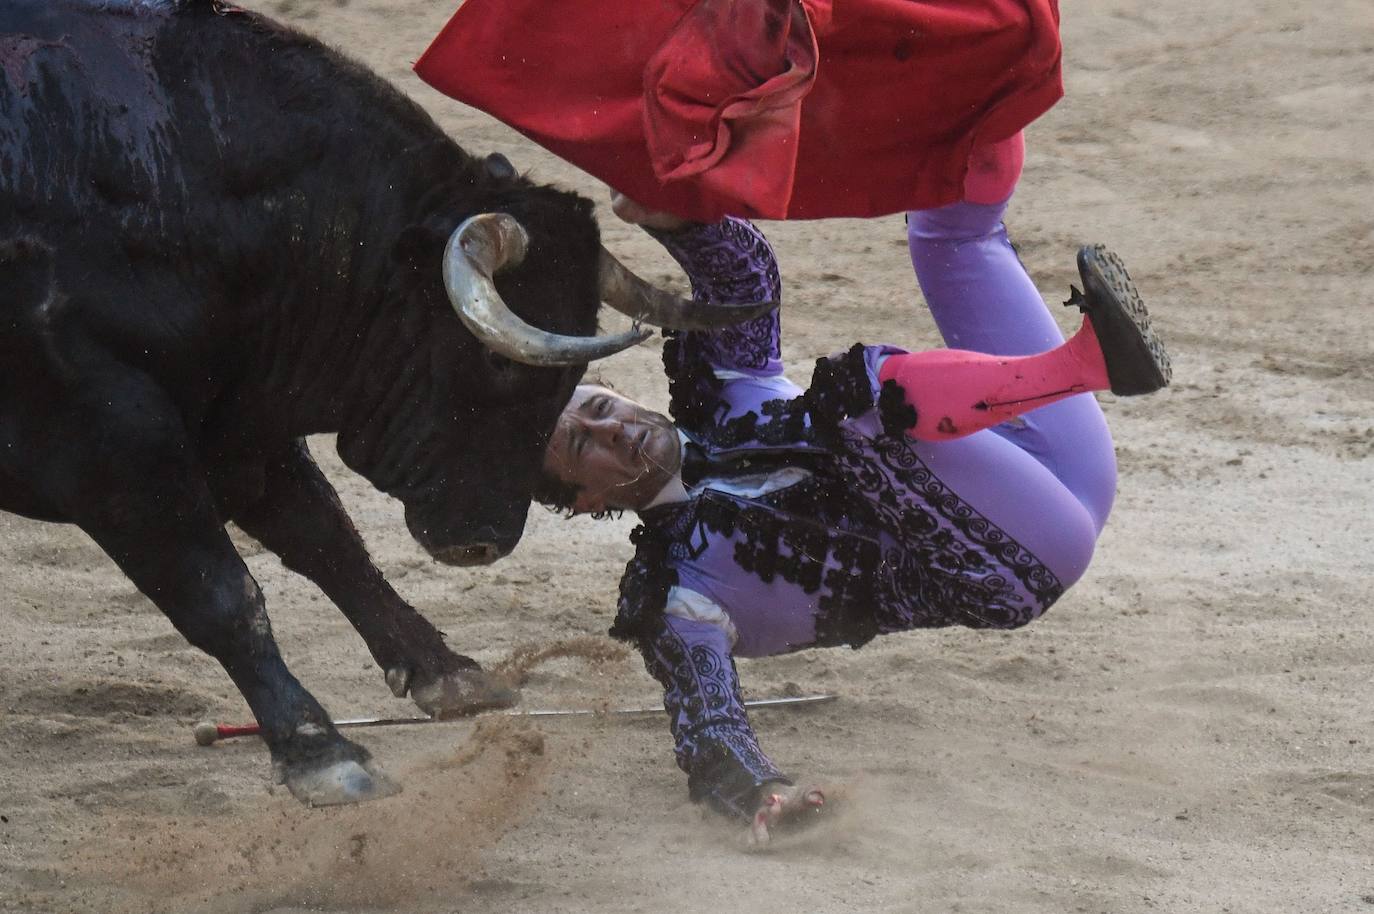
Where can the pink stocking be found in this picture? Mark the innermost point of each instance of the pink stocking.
(957, 392)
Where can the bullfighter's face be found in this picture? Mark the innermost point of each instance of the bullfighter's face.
(618, 453)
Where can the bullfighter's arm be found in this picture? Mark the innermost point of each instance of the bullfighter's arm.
(731, 261)
(713, 741)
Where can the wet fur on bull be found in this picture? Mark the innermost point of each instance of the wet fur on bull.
(216, 238)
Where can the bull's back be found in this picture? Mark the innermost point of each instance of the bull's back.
(87, 174)
(84, 120)
(149, 145)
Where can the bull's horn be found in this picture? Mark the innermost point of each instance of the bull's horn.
(628, 294)
(478, 249)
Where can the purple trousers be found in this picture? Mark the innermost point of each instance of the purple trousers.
(1049, 478)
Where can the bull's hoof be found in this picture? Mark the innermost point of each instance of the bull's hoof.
(321, 768)
(340, 782)
(463, 692)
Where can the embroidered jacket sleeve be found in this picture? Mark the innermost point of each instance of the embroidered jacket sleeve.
(688, 654)
(713, 741)
(726, 261)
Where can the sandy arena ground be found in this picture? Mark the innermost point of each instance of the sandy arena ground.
(1190, 729)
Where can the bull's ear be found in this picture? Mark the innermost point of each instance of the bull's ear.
(499, 167)
(422, 244)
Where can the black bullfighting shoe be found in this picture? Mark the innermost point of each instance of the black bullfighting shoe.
(1136, 360)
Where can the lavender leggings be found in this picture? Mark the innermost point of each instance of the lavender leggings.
(1049, 478)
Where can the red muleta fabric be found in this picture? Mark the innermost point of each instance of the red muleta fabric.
(772, 109)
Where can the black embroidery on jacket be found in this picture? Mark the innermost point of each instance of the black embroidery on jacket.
(712, 739)
(839, 390)
(895, 413)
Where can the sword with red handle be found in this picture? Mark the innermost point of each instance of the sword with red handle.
(207, 733)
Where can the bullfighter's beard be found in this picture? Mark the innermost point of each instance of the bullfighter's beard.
(660, 458)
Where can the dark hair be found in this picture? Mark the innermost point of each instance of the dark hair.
(560, 497)
(555, 494)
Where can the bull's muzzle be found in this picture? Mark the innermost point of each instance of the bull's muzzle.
(460, 544)
(473, 554)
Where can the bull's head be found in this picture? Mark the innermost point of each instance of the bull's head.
(470, 456)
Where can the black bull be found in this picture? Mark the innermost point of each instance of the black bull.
(216, 238)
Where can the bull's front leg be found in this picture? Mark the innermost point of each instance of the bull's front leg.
(202, 585)
(122, 469)
(299, 517)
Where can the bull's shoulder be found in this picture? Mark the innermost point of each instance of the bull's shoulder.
(63, 312)
(26, 275)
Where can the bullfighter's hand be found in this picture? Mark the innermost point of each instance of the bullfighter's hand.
(637, 214)
(784, 806)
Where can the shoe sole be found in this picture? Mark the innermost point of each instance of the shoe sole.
(1136, 360)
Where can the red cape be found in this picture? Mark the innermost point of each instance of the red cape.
(774, 109)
